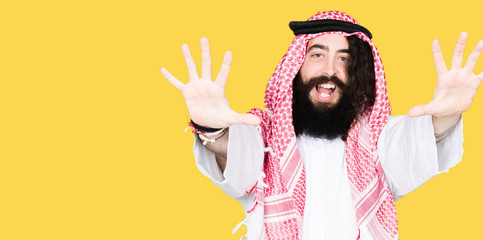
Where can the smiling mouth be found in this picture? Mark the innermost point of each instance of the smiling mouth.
(325, 90)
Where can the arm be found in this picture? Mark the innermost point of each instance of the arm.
(407, 148)
(409, 155)
(220, 148)
(455, 90)
(245, 153)
(206, 100)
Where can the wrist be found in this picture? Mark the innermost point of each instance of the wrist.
(203, 128)
(444, 126)
(208, 135)
(441, 124)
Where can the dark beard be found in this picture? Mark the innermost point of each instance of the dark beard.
(322, 120)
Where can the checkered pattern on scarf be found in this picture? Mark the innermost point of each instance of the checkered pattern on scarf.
(283, 200)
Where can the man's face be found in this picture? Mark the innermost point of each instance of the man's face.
(326, 55)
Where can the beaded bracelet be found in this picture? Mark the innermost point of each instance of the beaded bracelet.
(208, 135)
(215, 136)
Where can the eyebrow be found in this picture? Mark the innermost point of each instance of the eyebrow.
(323, 47)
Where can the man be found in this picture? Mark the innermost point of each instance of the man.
(325, 160)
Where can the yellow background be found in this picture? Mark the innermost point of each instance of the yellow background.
(92, 142)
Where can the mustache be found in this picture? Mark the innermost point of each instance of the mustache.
(325, 79)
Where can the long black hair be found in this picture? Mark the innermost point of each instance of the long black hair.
(361, 75)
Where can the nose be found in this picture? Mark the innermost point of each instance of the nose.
(329, 67)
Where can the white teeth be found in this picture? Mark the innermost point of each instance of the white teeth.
(327, 86)
(324, 94)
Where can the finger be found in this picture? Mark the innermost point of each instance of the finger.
(458, 51)
(205, 59)
(225, 69)
(249, 119)
(473, 58)
(190, 63)
(176, 83)
(418, 111)
(439, 63)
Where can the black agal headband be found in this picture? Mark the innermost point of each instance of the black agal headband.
(326, 25)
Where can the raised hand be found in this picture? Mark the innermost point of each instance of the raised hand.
(205, 98)
(456, 87)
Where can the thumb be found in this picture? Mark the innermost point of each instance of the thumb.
(248, 119)
(417, 111)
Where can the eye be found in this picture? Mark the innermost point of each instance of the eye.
(343, 59)
(317, 55)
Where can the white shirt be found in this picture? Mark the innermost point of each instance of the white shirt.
(406, 148)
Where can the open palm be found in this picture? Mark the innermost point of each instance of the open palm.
(456, 87)
(205, 98)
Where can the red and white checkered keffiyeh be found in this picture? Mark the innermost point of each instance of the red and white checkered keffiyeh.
(282, 192)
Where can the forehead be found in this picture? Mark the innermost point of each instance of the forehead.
(333, 41)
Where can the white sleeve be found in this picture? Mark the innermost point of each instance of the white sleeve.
(244, 161)
(410, 156)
